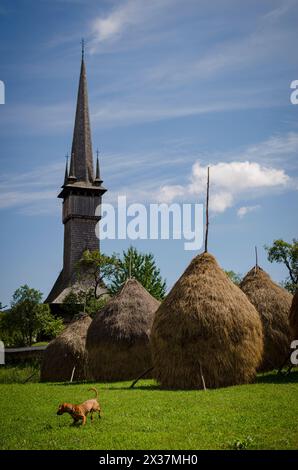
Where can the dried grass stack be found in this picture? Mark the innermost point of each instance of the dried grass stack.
(205, 325)
(118, 338)
(294, 317)
(273, 305)
(66, 351)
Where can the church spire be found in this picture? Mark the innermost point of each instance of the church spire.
(82, 160)
(81, 194)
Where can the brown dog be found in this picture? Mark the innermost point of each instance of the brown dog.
(80, 412)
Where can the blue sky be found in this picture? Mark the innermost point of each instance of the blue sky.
(174, 86)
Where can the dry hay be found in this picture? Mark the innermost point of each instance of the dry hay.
(66, 351)
(293, 317)
(205, 324)
(273, 305)
(118, 338)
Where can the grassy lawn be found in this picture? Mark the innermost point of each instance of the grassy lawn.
(259, 416)
(19, 374)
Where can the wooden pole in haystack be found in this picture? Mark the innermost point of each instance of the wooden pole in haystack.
(72, 374)
(129, 271)
(202, 378)
(207, 213)
(256, 253)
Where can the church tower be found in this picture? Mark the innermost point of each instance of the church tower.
(81, 193)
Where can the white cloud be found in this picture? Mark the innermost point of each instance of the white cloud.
(242, 211)
(277, 148)
(168, 193)
(126, 17)
(126, 111)
(33, 192)
(41, 119)
(19, 198)
(138, 109)
(233, 180)
(274, 15)
(220, 201)
(261, 44)
(223, 57)
(229, 183)
(237, 176)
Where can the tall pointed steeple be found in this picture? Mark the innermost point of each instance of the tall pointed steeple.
(81, 194)
(81, 143)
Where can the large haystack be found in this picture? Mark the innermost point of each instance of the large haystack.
(293, 317)
(66, 351)
(118, 337)
(205, 327)
(273, 305)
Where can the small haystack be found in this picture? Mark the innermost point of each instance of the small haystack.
(293, 317)
(118, 337)
(205, 331)
(273, 305)
(66, 352)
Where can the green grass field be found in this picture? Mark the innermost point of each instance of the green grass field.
(259, 416)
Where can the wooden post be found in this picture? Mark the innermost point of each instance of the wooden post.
(30, 377)
(72, 374)
(207, 213)
(129, 276)
(256, 253)
(202, 377)
(140, 376)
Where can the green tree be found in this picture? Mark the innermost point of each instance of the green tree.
(28, 317)
(287, 254)
(142, 267)
(235, 277)
(85, 300)
(7, 334)
(95, 269)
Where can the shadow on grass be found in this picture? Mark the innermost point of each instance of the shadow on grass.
(65, 384)
(105, 385)
(148, 388)
(270, 378)
(275, 378)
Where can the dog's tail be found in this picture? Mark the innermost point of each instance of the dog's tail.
(94, 390)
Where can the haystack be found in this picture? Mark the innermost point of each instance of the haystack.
(118, 337)
(293, 317)
(273, 305)
(206, 330)
(67, 351)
